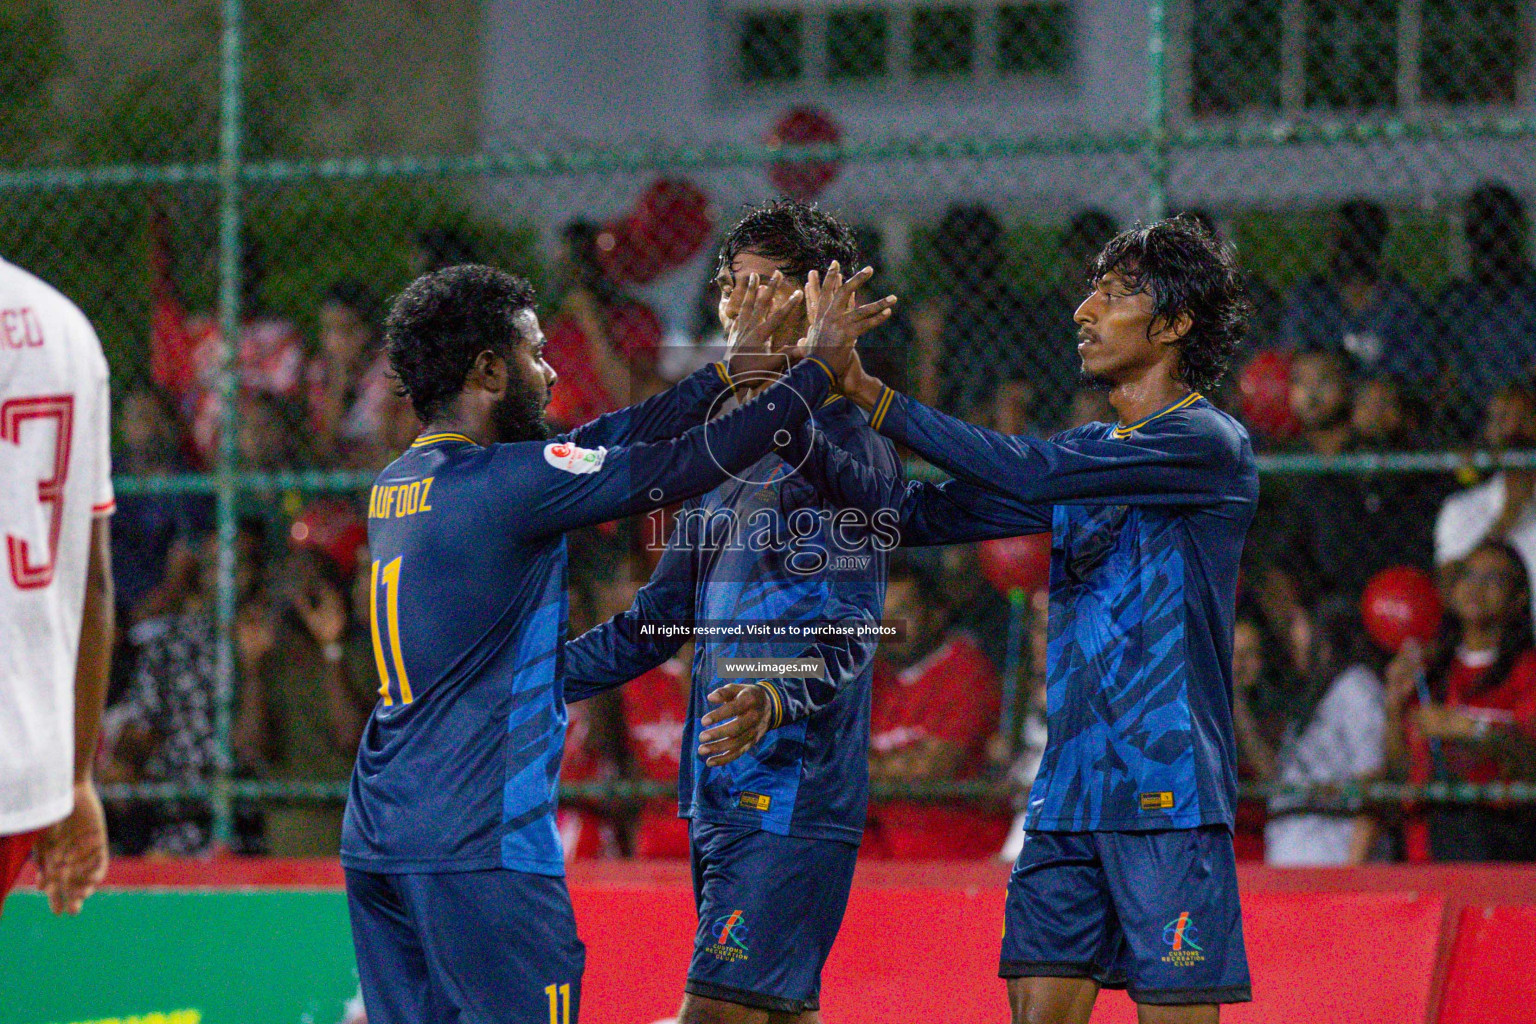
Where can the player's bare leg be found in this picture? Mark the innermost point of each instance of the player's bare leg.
(1051, 1000)
(701, 1010)
(1204, 1013)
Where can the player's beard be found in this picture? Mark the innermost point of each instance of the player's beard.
(519, 416)
(1095, 382)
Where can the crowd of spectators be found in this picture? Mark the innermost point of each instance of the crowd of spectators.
(1372, 368)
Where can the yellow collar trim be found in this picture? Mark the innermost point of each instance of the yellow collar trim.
(427, 439)
(1190, 399)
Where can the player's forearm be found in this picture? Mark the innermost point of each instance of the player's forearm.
(1160, 470)
(608, 656)
(677, 409)
(842, 661)
(94, 662)
(922, 513)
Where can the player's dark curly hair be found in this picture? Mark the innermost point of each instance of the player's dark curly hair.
(442, 321)
(800, 237)
(1185, 270)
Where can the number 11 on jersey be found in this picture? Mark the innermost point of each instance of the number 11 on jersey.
(391, 581)
(559, 1003)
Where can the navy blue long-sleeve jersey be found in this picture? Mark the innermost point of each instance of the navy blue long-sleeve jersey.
(458, 768)
(1147, 524)
(766, 547)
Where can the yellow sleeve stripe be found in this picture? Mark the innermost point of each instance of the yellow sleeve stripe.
(427, 439)
(725, 375)
(830, 400)
(1190, 399)
(775, 701)
(881, 408)
(831, 377)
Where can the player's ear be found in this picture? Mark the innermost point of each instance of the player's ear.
(1174, 331)
(490, 371)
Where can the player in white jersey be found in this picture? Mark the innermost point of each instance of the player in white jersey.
(55, 588)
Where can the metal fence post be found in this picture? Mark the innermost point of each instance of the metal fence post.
(230, 91)
(1157, 110)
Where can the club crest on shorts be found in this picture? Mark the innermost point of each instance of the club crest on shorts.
(1183, 942)
(572, 459)
(730, 937)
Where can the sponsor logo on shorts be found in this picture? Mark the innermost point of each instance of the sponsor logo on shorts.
(1183, 942)
(755, 801)
(730, 937)
(1157, 801)
(572, 459)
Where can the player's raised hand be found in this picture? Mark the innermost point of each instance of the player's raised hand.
(837, 319)
(734, 728)
(767, 307)
(72, 855)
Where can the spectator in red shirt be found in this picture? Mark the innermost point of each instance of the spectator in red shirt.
(934, 705)
(1482, 680)
(655, 713)
(602, 343)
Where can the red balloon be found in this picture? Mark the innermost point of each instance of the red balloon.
(805, 125)
(1399, 604)
(1265, 385)
(672, 220)
(1016, 562)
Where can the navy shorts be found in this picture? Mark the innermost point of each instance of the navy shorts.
(470, 947)
(1153, 912)
(769, 908)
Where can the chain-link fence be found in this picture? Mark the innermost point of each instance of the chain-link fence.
(221, 188)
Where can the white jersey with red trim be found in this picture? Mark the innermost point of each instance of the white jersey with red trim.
(55, 476)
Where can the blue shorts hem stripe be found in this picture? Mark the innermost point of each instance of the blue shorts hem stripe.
(756, 1000)
(1192, 996)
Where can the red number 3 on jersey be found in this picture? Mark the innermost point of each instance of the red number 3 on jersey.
(15, 416)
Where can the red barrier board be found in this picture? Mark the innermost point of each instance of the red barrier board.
(1493, 968)
(931, 955)
(1400, 944)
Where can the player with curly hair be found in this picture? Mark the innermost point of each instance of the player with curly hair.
(1127, 876)
(453, 863)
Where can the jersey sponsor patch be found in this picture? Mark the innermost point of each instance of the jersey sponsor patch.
(755, 801)
(568, 457)
(1157, 801)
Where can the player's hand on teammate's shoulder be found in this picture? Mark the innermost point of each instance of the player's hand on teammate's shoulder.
(72, 855)
(744, 714)
(766, 308)
(836, 317)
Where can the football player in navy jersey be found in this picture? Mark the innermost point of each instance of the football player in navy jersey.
(454, 870)
(773, 834)
(1127, 876)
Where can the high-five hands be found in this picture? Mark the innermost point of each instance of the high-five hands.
(836, 320)
(750, 347)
